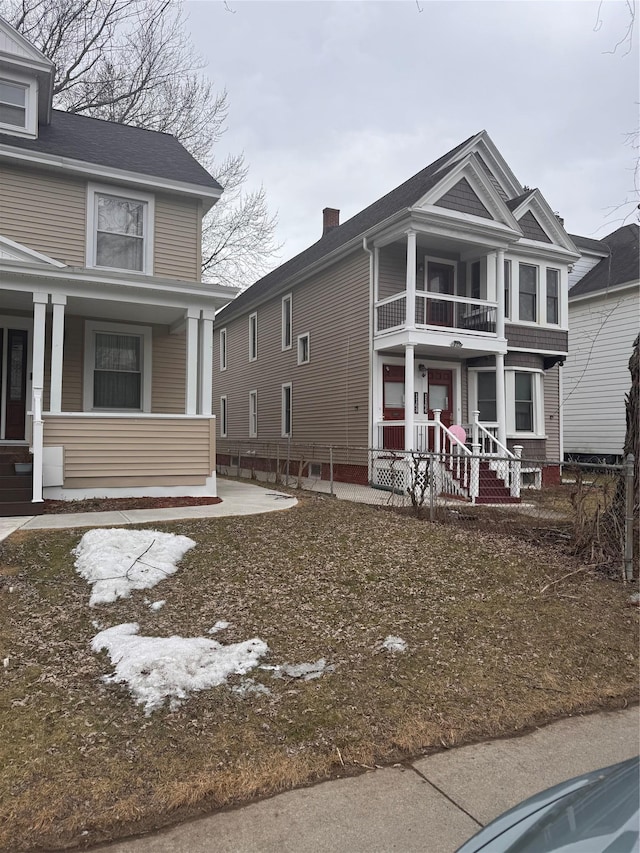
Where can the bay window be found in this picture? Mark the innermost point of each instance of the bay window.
(553, 291)
(528, 294)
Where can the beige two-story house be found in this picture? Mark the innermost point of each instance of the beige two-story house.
(105, 327)
(443, 304)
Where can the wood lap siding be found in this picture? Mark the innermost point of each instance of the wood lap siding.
(45, 212)
(107, 447)
(176, 253)
(330, 395)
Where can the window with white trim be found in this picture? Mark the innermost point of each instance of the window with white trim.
(253, 414)
(286, 322)
(253, 337)
(486, 396)
(507, 289)
(528, 293)
(117, 367)
(553, 296)
(286, 410)
(223, 416)
(18, 104)
(524, 400)
(223, 349)
(304, 353)
(120, 229)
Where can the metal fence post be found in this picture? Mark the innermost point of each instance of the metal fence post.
(331, 471)
(629, 465)
(286, 481)
(432, 490)
(238, 466)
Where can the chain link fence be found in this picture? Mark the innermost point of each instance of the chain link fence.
(589, 510)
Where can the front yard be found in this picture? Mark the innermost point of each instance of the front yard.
(499, 637)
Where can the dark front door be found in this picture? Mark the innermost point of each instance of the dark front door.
(440, 396)
(15, 384)
(393, 405)
(439, 280)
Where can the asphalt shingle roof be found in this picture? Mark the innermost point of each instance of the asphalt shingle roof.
(119, 146)
(589, 243)
(621, 266)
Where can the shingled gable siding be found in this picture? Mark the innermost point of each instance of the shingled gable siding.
(528, 337)
(462, 197)
(532, 229)
(47, 212)
(329, 394)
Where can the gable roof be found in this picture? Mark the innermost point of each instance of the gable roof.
(400, 198)
(619, 267)
(589, 244)
(117, 146)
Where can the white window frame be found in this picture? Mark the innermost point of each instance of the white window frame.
(558, 273)
(538, 402)
(508, 289)
(536, 320)
(224, 416)
(287, 332)
(253, 414)
(253, 336)
(286, 386)
(91, 327)
(300, 339)
(30, 85)
(95, 190)
(223, 349)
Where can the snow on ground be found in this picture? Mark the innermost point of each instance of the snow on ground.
(394, 644)
(159, 668)
(117, 561)
(219, 626)
(156, 605)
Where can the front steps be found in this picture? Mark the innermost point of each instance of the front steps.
(491, 489)
(16, 490)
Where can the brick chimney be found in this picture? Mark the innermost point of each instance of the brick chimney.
(330, 219)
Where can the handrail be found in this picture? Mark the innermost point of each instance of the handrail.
(494, 440)
(448, 297)
(392, 298)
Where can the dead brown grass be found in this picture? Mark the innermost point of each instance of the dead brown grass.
(498, 641)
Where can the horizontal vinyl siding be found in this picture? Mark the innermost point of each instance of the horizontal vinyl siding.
(169, 372)
(330, 394)
(108, 447)
(44, 212)
(596, 376)
(392, 266)
(177, 238)
(552, 412)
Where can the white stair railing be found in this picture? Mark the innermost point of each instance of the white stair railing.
(37, 440)
(458, 466)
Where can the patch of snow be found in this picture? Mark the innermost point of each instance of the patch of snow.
(634, 599)
(219, 626)
(117, 561)
(5, 663)
(248, 686)
(159, 668)
(156, 605)
(394, 644)
(307, 671)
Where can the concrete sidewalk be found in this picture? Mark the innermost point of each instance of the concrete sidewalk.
(431, 805)
(237, 499)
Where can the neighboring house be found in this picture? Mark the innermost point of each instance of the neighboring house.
(604, 320)
(105, 327)
(447, 296)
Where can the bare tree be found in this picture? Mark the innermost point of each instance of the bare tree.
(132, 61)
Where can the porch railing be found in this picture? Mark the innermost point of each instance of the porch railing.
(504, 462)
(438, 310)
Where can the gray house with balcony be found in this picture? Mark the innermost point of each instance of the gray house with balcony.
(442, 304)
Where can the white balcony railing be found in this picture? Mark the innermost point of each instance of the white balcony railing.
(438, 310)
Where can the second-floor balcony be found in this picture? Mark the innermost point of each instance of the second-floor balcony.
(436, 312)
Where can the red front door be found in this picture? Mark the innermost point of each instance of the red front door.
(393, 405)
(15, 383)
(440, 396)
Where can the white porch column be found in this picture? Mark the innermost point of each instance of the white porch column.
(191, 391)
(206, 361)
(409, 383)
(37, 367)
(410, 320)
(501, 408)
(500, 292)
(57, 343)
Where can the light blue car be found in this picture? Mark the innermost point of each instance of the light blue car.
(595, 813)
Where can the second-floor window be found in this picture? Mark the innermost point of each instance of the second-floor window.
(553, 291)
(13, 104)
(528, 294)
(253, 337)
(286, 322)
(223, 349)
(507, 289)
(120, 230)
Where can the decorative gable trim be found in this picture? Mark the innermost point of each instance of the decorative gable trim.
(493, 162)
(543, 218)
(12, 251)
(14, 47)
(475, 180)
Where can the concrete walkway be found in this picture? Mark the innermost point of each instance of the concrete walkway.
(431, 805)
(237, 499)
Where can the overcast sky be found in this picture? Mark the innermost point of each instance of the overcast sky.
(336, 103)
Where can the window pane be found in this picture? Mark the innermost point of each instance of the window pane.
(552, 296)
(507, 288)
(286, 323)
(16, 116)
(116, 390)
(124, 253)
(524, 402)
(487, 397)
(117, 352)
(10, 93)
(523, 386)
(120, 215)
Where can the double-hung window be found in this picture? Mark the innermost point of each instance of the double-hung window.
(507, 289)
(253, 337)
(528, 294)
(553, 293)
(486, 388)
(286, 410)
(253, 414)
(524, 419)
(120, 229)
(117, 374)
(13, 104)
(286, 322)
